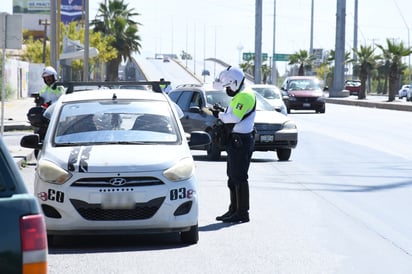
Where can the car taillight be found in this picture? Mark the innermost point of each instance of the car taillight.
(34, 244)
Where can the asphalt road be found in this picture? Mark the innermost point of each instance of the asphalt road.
(340, 205)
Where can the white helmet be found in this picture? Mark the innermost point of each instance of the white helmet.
(230, 78)
(48, 71)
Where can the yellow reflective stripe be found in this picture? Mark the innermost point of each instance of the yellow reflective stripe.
(242, 103)
(57, 91)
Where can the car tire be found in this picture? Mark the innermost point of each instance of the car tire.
(51, 240)
(321, 110)
(283, 154)
(191, 236)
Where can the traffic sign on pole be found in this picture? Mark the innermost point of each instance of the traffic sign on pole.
(248, 56)
(281, 57)
(11, 31)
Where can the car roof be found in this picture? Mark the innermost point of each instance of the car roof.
(264, 86)
(301, 77)
(90, 95)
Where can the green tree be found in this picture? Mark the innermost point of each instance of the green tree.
(115, 19)
(74, 31)
(33, 51)
(366, 61)
(303, 59)
(393, 54)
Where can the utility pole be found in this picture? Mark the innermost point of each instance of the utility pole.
(258, 42)
(45, 23)
(86, 41)
(274, 70)
(338, 79)
(311, 29)
(355, 37)
(53, 34)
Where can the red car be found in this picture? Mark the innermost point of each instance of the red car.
(303, 93)
(353, 86)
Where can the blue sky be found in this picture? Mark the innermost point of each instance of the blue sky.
(217, 28)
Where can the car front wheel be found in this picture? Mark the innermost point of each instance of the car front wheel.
(284, 154)
(191, 236)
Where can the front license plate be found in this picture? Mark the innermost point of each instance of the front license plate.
(306, 105)
(117, 201)
(266, 138)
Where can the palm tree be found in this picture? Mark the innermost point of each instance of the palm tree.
(115, 19)
(393, 55)
(303, 59)
(366, 62)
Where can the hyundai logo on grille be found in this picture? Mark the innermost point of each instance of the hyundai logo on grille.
(117, 181)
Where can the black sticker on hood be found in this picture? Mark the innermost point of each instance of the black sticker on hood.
(73, 159)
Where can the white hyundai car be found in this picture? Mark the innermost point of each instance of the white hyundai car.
(117, 161)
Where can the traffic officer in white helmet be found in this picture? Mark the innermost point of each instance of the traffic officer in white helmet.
(240, 145)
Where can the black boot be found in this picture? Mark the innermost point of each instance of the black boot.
(232, 206)
(242, 213)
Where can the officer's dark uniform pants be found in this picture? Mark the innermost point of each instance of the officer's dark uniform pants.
(239, 154)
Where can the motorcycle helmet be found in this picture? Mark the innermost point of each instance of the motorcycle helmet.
(49, 71)
(230, 79)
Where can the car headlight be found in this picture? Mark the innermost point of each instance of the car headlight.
(52, 173)
(180, 171)
(289, 125)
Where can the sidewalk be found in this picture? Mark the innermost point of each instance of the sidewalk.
(15, 125)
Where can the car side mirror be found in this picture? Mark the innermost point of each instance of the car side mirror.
(31, 141)
(325, 88)
(195, 109)
(199, 138)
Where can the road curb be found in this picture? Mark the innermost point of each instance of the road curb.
(370, 104)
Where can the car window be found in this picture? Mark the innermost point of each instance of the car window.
(183, 100)
(8, 185)
(116, 122)
(268, 93)
(218, 97)
(196, 100)
(303, 84)
(262, 104)
(174, 95)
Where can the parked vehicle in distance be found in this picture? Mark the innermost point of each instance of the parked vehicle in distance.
(205, 72)
(273, 95)
(304, 93)
(117, 161)
(274, 131)
(409, 94)
(23, 238)
(353, 86)
(403, 92)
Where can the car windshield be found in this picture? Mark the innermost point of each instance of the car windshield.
(268, 93)
(118, 122)
(304, 84)
(353, 83)
(218, 97)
